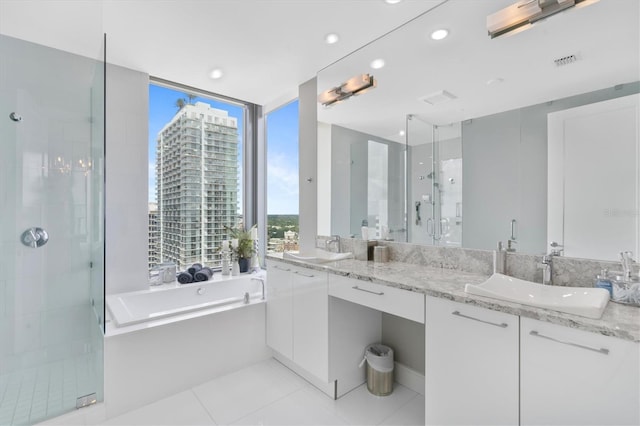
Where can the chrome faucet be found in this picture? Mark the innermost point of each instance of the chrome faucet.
(261, 282)
(547, 263)
(627, 264)
(335, 239)
(547, 269)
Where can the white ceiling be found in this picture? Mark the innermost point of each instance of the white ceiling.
(266, 48)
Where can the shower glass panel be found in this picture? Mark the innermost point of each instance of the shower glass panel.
(51, 282)
(434, 183)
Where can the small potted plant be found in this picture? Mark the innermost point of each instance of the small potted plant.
(242, 246)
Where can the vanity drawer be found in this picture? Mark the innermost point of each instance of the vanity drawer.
(403, 303)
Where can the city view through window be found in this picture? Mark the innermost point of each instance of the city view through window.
(195, 177)
(282, 179)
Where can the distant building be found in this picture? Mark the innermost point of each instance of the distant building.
(154, 235)
(197, 184)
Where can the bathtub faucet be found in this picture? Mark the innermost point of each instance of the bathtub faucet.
(261, 282)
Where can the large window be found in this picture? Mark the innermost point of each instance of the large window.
(195, 175)
(282, 179)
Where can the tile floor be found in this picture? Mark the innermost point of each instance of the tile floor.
(268, 393)
(30, 395)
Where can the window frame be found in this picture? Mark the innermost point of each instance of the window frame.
(252, 138)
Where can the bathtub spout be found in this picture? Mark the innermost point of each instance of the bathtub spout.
(261, 282)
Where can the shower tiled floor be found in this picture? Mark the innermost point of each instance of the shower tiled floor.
(267, 393)
(31, 395)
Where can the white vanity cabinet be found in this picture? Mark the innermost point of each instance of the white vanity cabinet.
(573, 377)
(471, 365)
(311, 321)
(298, 316)
(280, 308)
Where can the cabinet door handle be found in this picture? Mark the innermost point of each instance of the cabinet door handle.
(355, 287)
(282, 269)
(304, 275)
(501, 325)
(577, 345)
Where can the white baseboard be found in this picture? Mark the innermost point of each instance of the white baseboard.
(409, 378)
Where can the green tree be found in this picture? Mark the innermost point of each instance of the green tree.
(180, 103)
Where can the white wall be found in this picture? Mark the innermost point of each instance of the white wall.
(308, 137)
(324, 179)
(127, 168)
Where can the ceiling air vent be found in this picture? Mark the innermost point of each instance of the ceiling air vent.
(438, 97)
(565, 60)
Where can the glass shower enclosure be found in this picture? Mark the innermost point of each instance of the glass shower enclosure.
(434, 184)
(52, 125)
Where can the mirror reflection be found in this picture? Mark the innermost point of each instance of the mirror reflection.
(526, 138)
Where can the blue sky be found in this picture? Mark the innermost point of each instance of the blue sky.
(282, 136)
(282, 160)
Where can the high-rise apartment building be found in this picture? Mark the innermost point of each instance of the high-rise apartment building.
(197, 184)
(154, 235)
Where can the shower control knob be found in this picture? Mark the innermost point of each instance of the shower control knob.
(15, 117)
(34, 237)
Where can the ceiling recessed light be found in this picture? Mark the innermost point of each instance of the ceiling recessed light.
(376, 64)
(331, 38)
(401, 132)
(392, 1)
(439, 34)
(216, 73)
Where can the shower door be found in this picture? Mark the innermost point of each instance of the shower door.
(434, 183)
(51, 239)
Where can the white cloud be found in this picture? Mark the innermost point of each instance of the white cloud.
(282, 184)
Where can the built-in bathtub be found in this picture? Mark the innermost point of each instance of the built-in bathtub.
(218, 294)
(171, 338)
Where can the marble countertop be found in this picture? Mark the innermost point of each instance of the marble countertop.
(618, 320)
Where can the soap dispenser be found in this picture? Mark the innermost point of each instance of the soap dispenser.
(603, 281)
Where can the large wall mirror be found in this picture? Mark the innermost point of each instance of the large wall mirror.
(527, 138)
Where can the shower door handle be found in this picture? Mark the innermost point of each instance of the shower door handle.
(34, 237)
(430, 227)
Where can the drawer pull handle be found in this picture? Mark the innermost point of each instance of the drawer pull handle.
(282, 269)
(304, 275)
(501, 325)
(599, 350)
(355, 287)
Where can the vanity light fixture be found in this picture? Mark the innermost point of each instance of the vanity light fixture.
(376, 64)
(216, 73)
(331, 38)
(526, 12)
(493, 81)
(352, 87)
(439, 34)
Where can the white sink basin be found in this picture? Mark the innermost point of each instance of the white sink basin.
(318, 256)
(584, 301)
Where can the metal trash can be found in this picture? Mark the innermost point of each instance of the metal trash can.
(379, 359)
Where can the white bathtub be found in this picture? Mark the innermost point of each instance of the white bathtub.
(218, 294)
